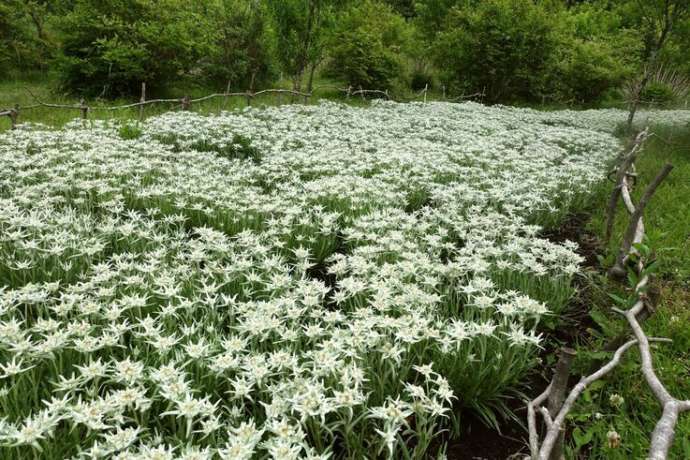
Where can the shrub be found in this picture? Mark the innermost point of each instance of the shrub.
(587, 70)
(129, 131)
(111, 46)
(502, 47)
(20, 47)
(240, 51)
(364, 48)
(659, 94)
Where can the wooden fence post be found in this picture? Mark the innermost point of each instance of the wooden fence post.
(349, 91)
(186, 103)
(426, 88)
(559, 386)
(361, 92)
(14, 114)
(142, 100)
(225, 98)
(443, 88)
(84, 109)
(249, 98)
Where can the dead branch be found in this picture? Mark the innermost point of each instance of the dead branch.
(559, 386)
(634, 232)
(664, 431)
(556, 423)
(554, 418)
(620, 177)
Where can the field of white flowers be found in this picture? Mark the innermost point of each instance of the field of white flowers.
(293, 282)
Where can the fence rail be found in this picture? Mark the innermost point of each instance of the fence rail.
(186, 102)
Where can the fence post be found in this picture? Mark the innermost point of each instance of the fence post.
(14, 114)
(559, 385)
(349, 91)
(426, 88)
(225, 98)
(443, 88)
(186, 103)
(249, 98)
(361, 92)
(84, 109)
(142, 100)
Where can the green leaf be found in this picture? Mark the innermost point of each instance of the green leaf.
(582, 437)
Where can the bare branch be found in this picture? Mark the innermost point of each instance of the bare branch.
(620, 177)
(631, 234)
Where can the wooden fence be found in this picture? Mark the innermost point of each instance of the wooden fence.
(186, 102)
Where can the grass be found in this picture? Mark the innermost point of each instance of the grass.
(24, 91)
(667, 223)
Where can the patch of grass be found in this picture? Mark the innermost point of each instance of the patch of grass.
(26, 90)
(667, 224)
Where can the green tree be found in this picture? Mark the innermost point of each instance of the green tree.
(299, 27)
(659, 20)
(365, 47)
(110, 46)
(24, 42)
(241, 49)
(503, 48)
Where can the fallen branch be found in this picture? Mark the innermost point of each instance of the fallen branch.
(556, 423)
(554, 418)
(620, 177)
(635, 231)
(664, 431)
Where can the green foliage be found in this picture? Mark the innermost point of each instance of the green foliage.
(588, 69)
(240, 51)
(111, 46)
(23, 42)
(658, 94)
(365, 46)
(299, 29)
(130, 131)
(502, 47)
(576, 52)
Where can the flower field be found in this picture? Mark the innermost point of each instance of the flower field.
(288, 282)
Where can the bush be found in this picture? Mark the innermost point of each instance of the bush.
(111, 46)
(240, 51)
(502, 47)
(364, 48)
(658, 94)
(587, 70)
(20, 46)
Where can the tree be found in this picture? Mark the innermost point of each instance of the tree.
(299, 33)
(240, 53)
(365, 45)
(501, 47)
(24, 42)
(658, 20)
(110, 46)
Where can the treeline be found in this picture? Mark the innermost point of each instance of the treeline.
(570, 51)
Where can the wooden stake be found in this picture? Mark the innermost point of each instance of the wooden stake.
(186, 103)
(559, 386)
(14, 114)
(84, 109)
(142, 100)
